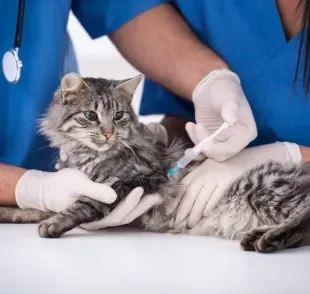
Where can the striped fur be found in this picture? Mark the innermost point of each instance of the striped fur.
(267, 209)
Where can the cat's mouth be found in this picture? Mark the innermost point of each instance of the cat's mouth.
(101, 141)
(100, 145)
(106, 138)
(95, 142)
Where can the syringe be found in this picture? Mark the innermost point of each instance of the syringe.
(187, 158)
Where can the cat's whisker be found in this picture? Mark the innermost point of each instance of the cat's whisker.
(123, 148)
(141, 145)
(80, 141)
(53, 161)
(46, 146)
(127, 146)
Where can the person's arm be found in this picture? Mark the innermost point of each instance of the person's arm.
(305, 153)
(160, 44)
(9, 176)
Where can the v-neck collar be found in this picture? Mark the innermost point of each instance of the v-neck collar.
(271, 29)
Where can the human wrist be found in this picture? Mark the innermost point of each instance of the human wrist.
(283, 152)
(305, 153)
(212, 76)
(28, 190)
(185, 59)
(292, 152)
(9, 176)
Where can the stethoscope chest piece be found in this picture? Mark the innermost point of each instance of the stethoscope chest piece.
(11, 65)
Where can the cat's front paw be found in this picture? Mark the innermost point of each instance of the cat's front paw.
(50, 229)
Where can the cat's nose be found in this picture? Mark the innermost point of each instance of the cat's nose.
(107, 132)
(108, 135)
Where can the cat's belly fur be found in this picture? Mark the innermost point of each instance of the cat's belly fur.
(252, 201)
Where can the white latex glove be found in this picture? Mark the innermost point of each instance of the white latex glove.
(205, 185)
(127, 211)
(55, 191)
(217, 98)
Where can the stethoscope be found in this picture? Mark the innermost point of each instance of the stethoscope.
(11, 63)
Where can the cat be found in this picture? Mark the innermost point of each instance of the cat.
(266, 209)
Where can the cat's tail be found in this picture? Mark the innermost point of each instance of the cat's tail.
(22, 216)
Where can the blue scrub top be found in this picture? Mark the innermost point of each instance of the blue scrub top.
(47, 55)
(247, 34)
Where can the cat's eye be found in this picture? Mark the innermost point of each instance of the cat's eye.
(91, 115)
(118, 115)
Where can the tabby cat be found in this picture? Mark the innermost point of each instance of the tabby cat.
(267, 209)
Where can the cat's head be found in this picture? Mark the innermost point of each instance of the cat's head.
(92, 111)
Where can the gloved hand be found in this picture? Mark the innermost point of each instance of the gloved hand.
(205, 185)
(127, 211)
(218, 98)
(56, 191)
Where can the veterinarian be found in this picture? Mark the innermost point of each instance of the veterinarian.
(205, 61)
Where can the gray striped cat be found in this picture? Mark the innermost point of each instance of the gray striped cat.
(267, 209)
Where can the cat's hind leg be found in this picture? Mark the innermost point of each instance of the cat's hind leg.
(22, 216)
(82, 211)
(249, 240)
(291, 234)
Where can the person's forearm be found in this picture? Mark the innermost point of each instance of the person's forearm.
(161, 45)
(305, 153)
(9, 176)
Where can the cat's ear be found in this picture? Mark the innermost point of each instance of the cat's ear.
(129, 86)
(71, 84)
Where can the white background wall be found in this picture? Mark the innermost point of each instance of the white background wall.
(100, 58)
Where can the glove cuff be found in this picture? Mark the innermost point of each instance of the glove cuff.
(28, 190)
(293, 153)
(211, 76)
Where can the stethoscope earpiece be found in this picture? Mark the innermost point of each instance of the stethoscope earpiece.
(12, 65)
